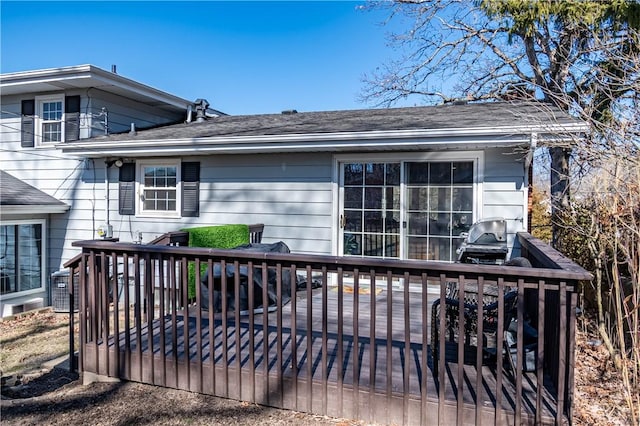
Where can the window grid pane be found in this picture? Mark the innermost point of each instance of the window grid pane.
(52, 111)
(159, 200)
(20, 257)
(371, 209)
(160, 188)
(52, 121)
(439, 199)
(52, 132)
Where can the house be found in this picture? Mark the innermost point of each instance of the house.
(43, 108)
(358, 196)
(399, 183)
(133, 162)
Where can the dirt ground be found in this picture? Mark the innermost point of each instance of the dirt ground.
(55, 396)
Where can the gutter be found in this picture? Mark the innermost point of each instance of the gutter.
(384, 140)
(34, 209)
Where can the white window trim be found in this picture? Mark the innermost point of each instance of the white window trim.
(477, 157)
(140, 211)
(38, 121)
(44, 278)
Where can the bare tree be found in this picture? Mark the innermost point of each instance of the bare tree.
(554, 51)
(580, 56)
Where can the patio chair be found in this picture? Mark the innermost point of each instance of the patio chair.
(471, 306)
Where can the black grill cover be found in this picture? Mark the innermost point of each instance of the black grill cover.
(258, 284)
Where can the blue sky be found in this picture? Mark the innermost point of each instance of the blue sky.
(243, 57)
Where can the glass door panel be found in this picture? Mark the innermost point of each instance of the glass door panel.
(370, 213)
(439, 200)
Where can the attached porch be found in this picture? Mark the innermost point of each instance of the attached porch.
(350, 338)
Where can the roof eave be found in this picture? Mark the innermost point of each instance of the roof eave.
(34, 209)
(26, 78)
(314, 142)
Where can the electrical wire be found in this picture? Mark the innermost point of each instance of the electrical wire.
(66, 179)
(25, 152)
(81, 124)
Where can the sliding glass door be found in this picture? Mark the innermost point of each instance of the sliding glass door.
(405, 209)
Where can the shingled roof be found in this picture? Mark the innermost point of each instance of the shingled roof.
(465, 116)
(17, 196)
(452, 126)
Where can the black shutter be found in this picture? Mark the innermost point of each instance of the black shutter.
(190, 189)
(71, 118)
(127, 189)
(27, 125)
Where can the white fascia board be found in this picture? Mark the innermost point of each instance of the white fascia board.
(171, 148)
(87, 72)
(138, 88)
(33, 209)
(381, 140)
(38, 75)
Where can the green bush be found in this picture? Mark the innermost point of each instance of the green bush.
(222, 237)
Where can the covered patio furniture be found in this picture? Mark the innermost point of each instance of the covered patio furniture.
(258, 282)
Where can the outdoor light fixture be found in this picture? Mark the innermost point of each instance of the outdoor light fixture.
(118, 163)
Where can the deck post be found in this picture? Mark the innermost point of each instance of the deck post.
(70, 287)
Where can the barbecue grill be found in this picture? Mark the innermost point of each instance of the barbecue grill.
(486, 242)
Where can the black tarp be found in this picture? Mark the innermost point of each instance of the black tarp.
(258, 284)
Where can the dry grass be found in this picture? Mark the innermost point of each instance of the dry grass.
(28, 340)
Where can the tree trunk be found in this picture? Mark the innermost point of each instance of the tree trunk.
(559, 190)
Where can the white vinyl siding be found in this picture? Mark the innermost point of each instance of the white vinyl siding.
(505, 190)
(76, 182)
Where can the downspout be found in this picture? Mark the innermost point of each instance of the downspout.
(106, 196)
(106, 230)
(528, 173)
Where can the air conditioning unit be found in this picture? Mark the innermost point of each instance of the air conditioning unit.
(60, 291)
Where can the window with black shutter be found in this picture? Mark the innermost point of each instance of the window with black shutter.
(158, 188)
(27, 123)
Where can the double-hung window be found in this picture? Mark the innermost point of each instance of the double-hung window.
(50, 113)
(158, 188)
(52, 121)
(47, 120)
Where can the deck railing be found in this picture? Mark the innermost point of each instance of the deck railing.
(350, 337)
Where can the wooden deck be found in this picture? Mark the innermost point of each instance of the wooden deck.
(357, 373)
(327, 351)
